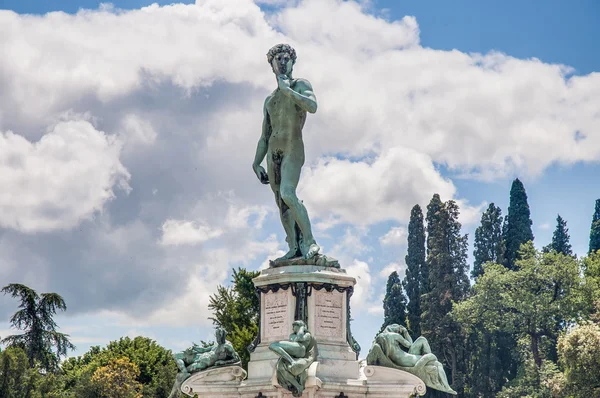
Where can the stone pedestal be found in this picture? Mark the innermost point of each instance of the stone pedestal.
(320, 296)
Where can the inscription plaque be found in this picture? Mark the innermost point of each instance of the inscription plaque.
(329, 307)
(276, 315)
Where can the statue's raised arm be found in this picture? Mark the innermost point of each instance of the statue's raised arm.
(281, 143)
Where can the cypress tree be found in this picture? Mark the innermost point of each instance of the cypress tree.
(416, 277)
(394, 303)
(595, 230)
(560, 238)
(489, 246)
(448, 282)
(517, 227)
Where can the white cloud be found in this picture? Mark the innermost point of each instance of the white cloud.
(396, 236)
(362, 290)
(544, 226)
(388, 269)
(369, 191)
(136, 131)
(239, 216)
(60, 180)
(182, 232)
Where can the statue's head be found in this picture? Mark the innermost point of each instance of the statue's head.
(394, 328)
(282, 58)
(296, 325)
(220, 334)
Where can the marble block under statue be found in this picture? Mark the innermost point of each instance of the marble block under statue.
(387, 351)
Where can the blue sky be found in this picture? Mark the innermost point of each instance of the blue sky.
(185, 107)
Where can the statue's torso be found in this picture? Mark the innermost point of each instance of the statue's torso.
(390, 346)
(287, 120)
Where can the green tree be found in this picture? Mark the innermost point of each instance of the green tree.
(156, 367)
(118, 379)
(17, 379)
(579, 354)
(517, 226)
(489, 246)
(448, 282)
(236, 309)
(527, 302)
(417, 275)
(560, 238)
(394, 302)
(36, 319)
(595, 229)
(544, 381)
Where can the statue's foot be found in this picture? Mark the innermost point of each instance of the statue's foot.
(287, 256)
(313, 250)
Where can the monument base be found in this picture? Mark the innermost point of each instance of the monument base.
(319, 296)
(373, 382)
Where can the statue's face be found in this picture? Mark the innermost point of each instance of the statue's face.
(296, 327)
(220, 335)
(282, 64)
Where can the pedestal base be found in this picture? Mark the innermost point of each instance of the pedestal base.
(373, 382)
(319, 296)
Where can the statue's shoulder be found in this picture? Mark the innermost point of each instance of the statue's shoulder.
(300, 82)
(269, 98)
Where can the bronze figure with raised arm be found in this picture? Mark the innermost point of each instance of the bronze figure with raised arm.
(281, 143)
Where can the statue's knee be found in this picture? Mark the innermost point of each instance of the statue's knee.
(288, 195)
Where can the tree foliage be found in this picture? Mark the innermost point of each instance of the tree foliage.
(595, 229)
(448, 282)
(118, 379)
(394, 302)
(579, 354)
(236, 309)
(560, 238)
(416, 278)
(543, 290)
(489, 246)
(155, 364)
(36, 319)
(517, 225)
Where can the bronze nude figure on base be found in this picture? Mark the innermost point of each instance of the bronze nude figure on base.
(296, 356)
(416, 359)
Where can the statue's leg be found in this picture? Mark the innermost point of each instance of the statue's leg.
(277, 349)
(274, 173)
(420, 347)
(291, 166)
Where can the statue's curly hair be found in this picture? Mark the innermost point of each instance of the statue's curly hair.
(281, 48)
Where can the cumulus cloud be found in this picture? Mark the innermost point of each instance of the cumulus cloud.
(60, 180)
(388, 269)
(396, 236)
(181, 232)
(362, 290)
(373, 190)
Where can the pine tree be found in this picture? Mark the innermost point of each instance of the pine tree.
(489, 246)
(416, 272)
(394, 303)
(448, 282)
(595, 230)
(560, 238)
(517, 227)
